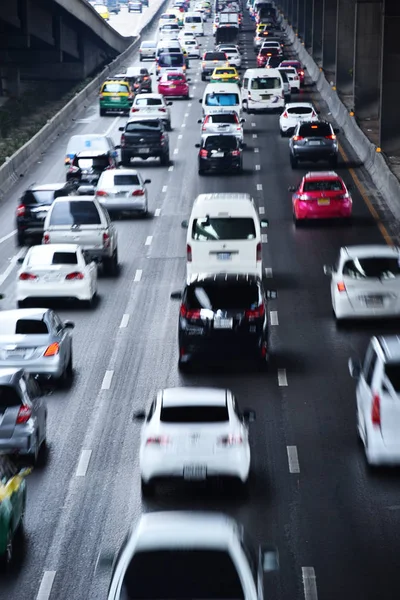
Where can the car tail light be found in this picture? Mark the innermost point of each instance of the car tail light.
(52, 350)
(301, 73)
(145, 78)
(27, 276)
(295, 78)
(341, 286)
(285, 115)
(297, 138)
(330, 137)
(203, 153)
(159, 440)
(255, 313)
(24, 414)
(376, 410)
(230, 440)
(162, 109)
(106, 240)
(137, 193)
(133, 110)
(101, 193)
(189, 314)
(46, 238)
(123, 139)
(21, 209)
(188, 252)
(74, 276)
(235, 153)
(259, 251)
(343, 197)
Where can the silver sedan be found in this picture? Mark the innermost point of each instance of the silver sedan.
(123, 191)
(36, 340)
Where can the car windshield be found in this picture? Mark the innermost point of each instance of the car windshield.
(78, 143)
(299, 110)
(181, 575)
(392, 372)
(126, 180)
(266, 83)
(217, 296)
(289, 70)
(224, 118)
(314, 130)
(45, 256)
(222, 99)
(148, 101)
(8, 397)
(194, 414)
(223, 228)
(115, 88)
(82, 212)
(332, 185)
(377, 268)
(171, 60)
(142, 126)
(224, 72)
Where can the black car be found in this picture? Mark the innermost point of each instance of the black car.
(144, 138)
(86, 167)
(314, 141)
(33, 206)
(220, 152)
(223, 316)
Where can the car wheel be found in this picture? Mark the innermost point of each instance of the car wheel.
(183, 366)
(294, 162)
(164, 160)
(244, 106)
(125, 160)
(169, 128)
(140, 59)
(201, 171)
(111, 264)
(20, 239)
(21, 303)
(66, 378)
(333, 162)
(283, 134)
(147, 488)
(102, 112)
(203, 77)
(7, 557)
(33, 458)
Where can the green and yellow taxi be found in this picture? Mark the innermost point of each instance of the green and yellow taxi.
(102, 10)
(12, 507)
(115, 96)
(179, 15)
(225, 75)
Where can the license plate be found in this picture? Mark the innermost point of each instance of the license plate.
(373, 302)
(172, 87)
(116, 99)
(265, 97)
(195, 472)
(19, 352)
(323, 202)
(143, 150)
(218, 155)
(224, 256)
(314, 143)
(223, 323)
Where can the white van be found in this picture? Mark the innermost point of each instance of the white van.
(263, 89)
(224, 235)
(221, 97)
(193, 21)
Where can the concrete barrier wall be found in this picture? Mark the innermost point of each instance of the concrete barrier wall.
(384, 179)
(25, 157)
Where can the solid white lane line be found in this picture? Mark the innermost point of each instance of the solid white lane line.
(7, 237)
(256, 150)
(83, 463)
(259, 187)
(261, 210)
(268, 272)
(293, 459)
(176, 150)
(157, 212)
(164, 189)
(108, 375)
(148, 241)
(257, 167)
(309, 583)
(138, 275)
(111, 127)
(282, 379)
(180, 136)
(254, 136)
(45, 585)
(264, 238)
(273, 317)
(11, 266)
(124, 321)
(171, 168)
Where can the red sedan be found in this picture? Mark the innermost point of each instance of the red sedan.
(265, 54)
(321, 195)
(297, 65)
(174, 84)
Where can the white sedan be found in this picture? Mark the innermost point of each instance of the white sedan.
(192, 48)
(151, 105)
(365, 282)
(194, 434)
(56, 271)
(294, 113)
(233, 54)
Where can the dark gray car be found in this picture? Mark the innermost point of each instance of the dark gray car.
(314, 141)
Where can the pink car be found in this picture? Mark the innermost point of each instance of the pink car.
(321, 195)
(174, 84)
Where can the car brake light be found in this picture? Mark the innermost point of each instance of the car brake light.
(230, 440)
(24, 414)
(235, 153)
(203, 153)
(27, 276)
(133, 110)
(74, 276)
(188, 253)
(331, 137)
(106, 240)
(52, 350)
(189, 314)
(46, 238)
(21, 210)
(285, 115)
(162, 109)
(297, 138)
(101, 193)
(255, 313)
(301, 72)
(376, 410)
(137, 193)
(259, 251)
(341, 286)
(159, 440)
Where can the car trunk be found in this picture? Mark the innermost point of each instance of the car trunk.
(15, 350)
(50, 273)
(142, 139)
(373, 293)
(194, 439)
(87, 236)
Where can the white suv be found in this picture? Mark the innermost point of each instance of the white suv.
(378, 400)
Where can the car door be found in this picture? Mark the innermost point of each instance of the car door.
(89, 268)
(364, 391)
(38, 402)
(59, 334)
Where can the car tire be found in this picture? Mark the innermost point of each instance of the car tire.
(33, 458)
(110, 265)
(20, 239)
(147, 488)
(295, 220)
(6, 560)
(165, 160)
(203, 77)
(294, 163)
(283, 133)
(168, 126)
(21, 303)
(201, 172)
(66, 378)
(102, 112)
(183, 366)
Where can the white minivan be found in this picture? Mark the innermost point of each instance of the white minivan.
(263, 89)
(221, 97)
(193, 21)
(224, 235)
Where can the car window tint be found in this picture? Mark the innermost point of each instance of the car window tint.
(171, 60)
(274, 62)
(225, 297)
(223, 228)
(227, 99)
(266, 83)
(45, 197)
(269, 51)
(194, 414)
(299, 110)
(31, 327)
(115, 88)
(142, 125)
(9, 397)
(315, 130)
(126, 180)
(220, 142)
(377, 268)
(392, 372)
(223, 118)
(181, 574)
(75, 213)
(148, 101)
(333, 185)
(214, 56)
(64, 258)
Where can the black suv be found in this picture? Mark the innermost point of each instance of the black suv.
(33, 206)
(314, 141)
(223, 316)
(139, 79)
(87, 166)
(220, 152)
(143, 139)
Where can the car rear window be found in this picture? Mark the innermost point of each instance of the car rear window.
(45, 197)
(44, 256)
(148, 101)
(299, 110)
(221, 142)
(194, 414)
(78, 143)
(115, 88)
(227, 99)
(171, 60)
(126, 180)
(173, 26)
(392, 372)
(315, 130)
(31, 327)
(214, 56)
(269, 51)
(181, 574)
(193, 20)
(377, 268)
(290, 70)
(175, 77)
(224, 71)
(142, 126)
(275, 61)
(223, 118)
(9, 397)
(222, 296)
(333, 185)
(82, 212)
(266, 83)
(223, 228)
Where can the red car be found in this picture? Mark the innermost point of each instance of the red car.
(265, 54)
(174, 83)
(321, 195)
(297, 65)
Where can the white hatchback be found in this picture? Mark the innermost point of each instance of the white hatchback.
(293, 77)
(192, 48)
(151, 105)
(295, 113)
(232, 53)
(194, 434)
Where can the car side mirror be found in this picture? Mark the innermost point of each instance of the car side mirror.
(264, 223)
(120, 129)
(200, 121)
(268, 558)
(271, 294)
(249, 415)
(328, 270)
(147, 181)
(176, 295)
(139, 415)
(184, 224)
(188, 79)
(354, 368)
(197, 145)
(292, 188)
(20, 260)
(69, 325)
(169, 103)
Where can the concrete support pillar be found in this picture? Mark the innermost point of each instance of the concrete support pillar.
(329, 35)
(346, 16)
(295, 17)
(10, 81)
(308, 22)
(301, 19)
(389, 133)
(317, 29)
(367, 59)
(23, 15)
(290, 11)
(57, 35)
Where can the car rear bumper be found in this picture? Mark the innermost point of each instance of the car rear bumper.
(261, 105)
(311, 210)
(49, 366)
(137, 152)
(174, 93)
(317, 153)
(227, 346)
(115, 106)
(219, 164)
(57, 289)
(127, 205)
(378, 453)
(345, 309)
(18, 444)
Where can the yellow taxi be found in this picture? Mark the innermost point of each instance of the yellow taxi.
(102, 10)
(224, 75)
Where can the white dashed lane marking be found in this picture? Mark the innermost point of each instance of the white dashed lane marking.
(257, 167)
(261, 210)
(83, 463)
(46, 585)
(148, 241)
(108, 375)
(293, 459)
(309, 583)
(273, 317)
(164, 189)
(264, 238)
(138, 275)
(259, 187)
(171, 168)
(282, 379)
(157, 212)
(268, 272)
(124, 321)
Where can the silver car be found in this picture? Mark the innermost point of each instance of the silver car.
(23, 414)
(36, 340)
(223, 123)
(123, 190)
(147, 49)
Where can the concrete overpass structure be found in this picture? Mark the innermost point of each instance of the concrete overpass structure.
(53, 39)
(356, 44)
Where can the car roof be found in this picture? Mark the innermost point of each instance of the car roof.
(54, 248)
(373, 250)
(187, 396)
(149, 95)
(325, 175)
(23, 313)
(212, 198)
(391, 347)
(91, 153)
(219, 278)
(9, 376)
(47, 186)
(298, 104)
(112, 80)
(121, 172)
(144, 118)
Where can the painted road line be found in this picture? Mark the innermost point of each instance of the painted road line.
(176, 150)
(108, 375)
(138, 275)
(282, 379)
(257, 167)
(164, 189)
(189, 104)
(268, 272)
(7, 237)
(83, 463)
(111, 127)
(186, 115)
(171, 168)
(256, 150)
(261, 210)
(264, 238)
(293, 459)
(273, 317)
(11, 266)
(254, 136)
(183, 125)
(46, 585)
(253, 124)
(157, 212)
(309, 583)
(259, 187)
(148, 241)
(180, 136)
(124, 321)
